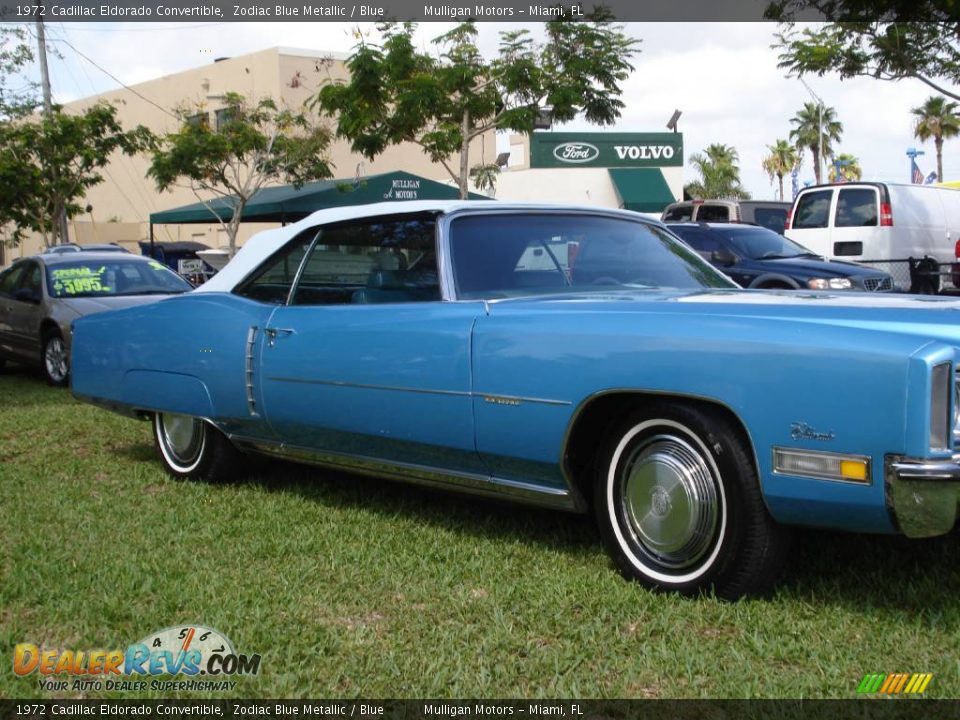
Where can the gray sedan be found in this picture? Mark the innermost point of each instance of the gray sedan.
(40, 296)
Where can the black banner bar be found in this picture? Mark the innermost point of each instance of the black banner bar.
(886, 708)
(193, 11)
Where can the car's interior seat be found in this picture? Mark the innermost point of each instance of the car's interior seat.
(383, 286)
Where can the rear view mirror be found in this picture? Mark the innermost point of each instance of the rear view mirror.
(723, 258)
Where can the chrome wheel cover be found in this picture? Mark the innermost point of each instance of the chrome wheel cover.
(55, 359)
(182, 437)
(669, 501)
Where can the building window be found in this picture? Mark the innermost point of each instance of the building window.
(200, 120)
(224, 115)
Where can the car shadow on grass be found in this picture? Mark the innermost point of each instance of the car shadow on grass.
(25, 386)
(876, 573)
(464, 513)
(888, 574)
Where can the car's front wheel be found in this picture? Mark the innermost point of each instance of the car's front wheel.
(191, 448)
(679, 505)
(53, 358)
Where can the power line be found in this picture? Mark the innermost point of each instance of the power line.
(116, 79)
(137, 209)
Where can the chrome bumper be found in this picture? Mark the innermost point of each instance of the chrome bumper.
(923, 495)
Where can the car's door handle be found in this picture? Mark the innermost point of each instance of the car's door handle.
(273, 333)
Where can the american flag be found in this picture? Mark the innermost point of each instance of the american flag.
(916, 174)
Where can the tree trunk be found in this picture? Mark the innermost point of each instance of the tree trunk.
(465, 156)
(780, 178)
(233, 227)
(938, 141)
(816, 163)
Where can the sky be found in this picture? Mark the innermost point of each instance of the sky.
(722, 76)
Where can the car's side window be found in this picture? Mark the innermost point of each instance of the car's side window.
(271, 282)
(856, 207)
(813, 210)
(9, 280)
(713, 213)
(30, 280)
(372, 261)
(704, 244)
(679, 214)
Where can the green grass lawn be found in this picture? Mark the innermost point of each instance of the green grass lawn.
(350, 586)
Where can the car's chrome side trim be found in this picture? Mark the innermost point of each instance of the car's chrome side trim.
(516, 399)
(557, 498)
(248, 372)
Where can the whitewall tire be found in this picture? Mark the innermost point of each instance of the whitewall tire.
(679, 505)
(192, 448)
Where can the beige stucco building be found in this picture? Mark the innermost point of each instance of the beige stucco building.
(122, 204)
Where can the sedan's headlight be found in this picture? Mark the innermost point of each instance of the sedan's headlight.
(829, 284)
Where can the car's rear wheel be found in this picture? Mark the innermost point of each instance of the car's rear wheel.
(679, 505)
(53, 358)
(191, 448)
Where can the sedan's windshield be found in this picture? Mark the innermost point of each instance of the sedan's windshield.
(507, 255)
(762, 244)
(97, 278)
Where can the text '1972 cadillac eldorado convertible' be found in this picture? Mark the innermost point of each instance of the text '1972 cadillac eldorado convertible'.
(574, 358)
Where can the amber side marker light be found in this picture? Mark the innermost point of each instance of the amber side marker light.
(821, 465)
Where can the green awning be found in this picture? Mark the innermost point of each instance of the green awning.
(641, 189)
(288, 204)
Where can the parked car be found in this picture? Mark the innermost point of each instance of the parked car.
(700, 421)
(66, 248)
(181, 256)
(40, 297)
(878, 221)
(771, 214)
(759, 258)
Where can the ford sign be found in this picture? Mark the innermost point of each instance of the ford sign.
(576, 152)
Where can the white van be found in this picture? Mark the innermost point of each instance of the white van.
(877, 221)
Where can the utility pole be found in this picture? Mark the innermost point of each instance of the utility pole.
(820, 106)
(59, 211)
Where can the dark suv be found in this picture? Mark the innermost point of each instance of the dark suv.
(759, 258)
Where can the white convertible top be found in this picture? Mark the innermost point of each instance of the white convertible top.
(263, 244)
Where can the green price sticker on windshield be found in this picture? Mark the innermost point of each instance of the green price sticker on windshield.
(79, 280)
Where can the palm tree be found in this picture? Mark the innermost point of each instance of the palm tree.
(936, 119)
(807, 134)
(719, 173)
(781, 160)
(849, 168)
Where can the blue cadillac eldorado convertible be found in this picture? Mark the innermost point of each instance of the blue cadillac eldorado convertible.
(574, 358)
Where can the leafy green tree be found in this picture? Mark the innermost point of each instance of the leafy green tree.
(849, 168)
(17, 94)
(719, 173)
(255, 144)
(47, 163)
(397, 93)
(782, 159)
(812, 122)
(936, 118)
(927, 51)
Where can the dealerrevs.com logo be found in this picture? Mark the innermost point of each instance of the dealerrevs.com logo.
(201, 654)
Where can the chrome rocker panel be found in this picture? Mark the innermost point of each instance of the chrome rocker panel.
(487, 486)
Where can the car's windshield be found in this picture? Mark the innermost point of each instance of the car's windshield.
(759, 243)
(98, 278)
(510, 254)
